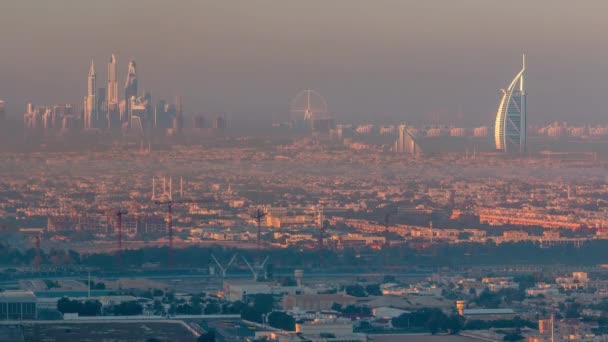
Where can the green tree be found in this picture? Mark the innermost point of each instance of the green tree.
(158, 308)
(281, 320)
(373, 290)
(354, 310)
(433, 320)
(356, 290)
(130, 308)
(488, 299)
(212, 308)
(263, 303)
(208, 336)
(250, 314)
(65, 305)
(90, 308)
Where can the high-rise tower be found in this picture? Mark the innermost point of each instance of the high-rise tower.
(90, 112)
(130, 86)
(112, 92)
(510, 128)
(112, 107)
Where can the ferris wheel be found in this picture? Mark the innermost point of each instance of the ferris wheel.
(308, 105)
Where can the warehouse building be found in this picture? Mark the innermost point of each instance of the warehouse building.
(18, 305)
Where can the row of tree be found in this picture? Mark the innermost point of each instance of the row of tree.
(432, 320)
(437, 254)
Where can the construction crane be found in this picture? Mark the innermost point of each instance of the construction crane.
(119, 215)
(170, 203)
(259, 215)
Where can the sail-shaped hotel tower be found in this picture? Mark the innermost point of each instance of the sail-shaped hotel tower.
(510, 128)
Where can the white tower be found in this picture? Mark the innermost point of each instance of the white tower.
(511, 118)
(523, 137)
(90, 113)
(112, 96)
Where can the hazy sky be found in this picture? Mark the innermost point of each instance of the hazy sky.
(373, 60)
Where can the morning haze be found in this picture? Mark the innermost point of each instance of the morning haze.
(291, 171)
(372, 60)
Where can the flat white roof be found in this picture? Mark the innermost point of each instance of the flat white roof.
(17, 296)
(488, 311)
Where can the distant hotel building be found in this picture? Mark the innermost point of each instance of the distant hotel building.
(510, 129)
(406, 143)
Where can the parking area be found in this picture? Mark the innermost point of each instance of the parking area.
(107, 332)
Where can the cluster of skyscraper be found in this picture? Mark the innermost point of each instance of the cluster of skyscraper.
(134, 113)
(49, 118)
(103, 110)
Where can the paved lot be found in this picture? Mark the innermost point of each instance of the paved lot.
(422, 338)
(106, 332)
(229, 330)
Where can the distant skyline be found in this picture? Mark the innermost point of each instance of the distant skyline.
(374, 61)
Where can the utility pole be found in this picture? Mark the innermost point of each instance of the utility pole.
(321, 244)
(259, 215)
(119, 221)
(169, 204)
